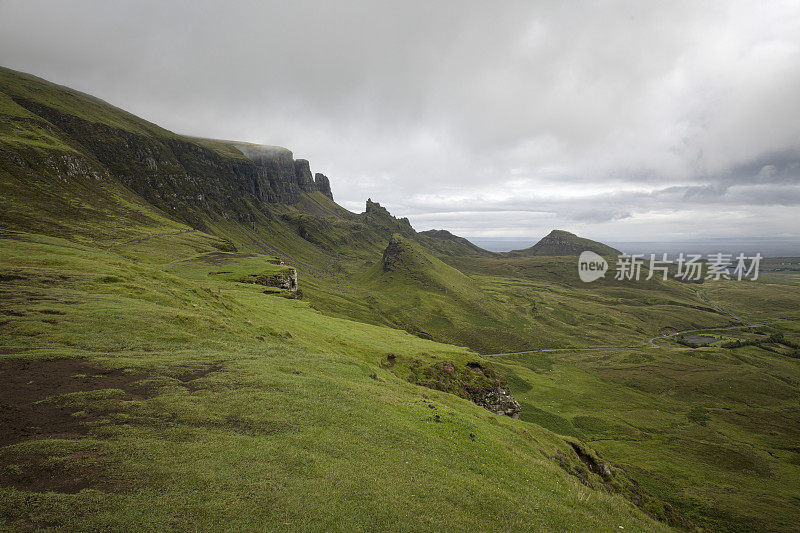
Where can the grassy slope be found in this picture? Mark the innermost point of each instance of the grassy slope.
(501, 304)
(304, 425)
(447, 304)
(43, 172)
(333, 249)
(533, 302)
(712, 430)
(443, 243)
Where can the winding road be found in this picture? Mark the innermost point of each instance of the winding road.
(651, 342)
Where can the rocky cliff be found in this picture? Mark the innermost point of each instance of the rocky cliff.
(378, 216)
(279, 178)
(188, 179)
(323, 184)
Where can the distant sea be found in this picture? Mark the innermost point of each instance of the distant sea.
(767, 247)
(502, 244)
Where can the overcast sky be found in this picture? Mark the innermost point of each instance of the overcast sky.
(620, 121)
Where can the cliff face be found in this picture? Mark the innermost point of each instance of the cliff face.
(279, 178)
(393, 254)
(323, 184)
(302, 173)
(185, 178)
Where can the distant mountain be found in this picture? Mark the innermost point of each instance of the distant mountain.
(560, 243)
(445, 243)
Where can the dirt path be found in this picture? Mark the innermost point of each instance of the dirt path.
(651, 342)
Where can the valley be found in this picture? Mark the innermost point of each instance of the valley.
(196, 336)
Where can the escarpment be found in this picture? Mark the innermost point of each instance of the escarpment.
(279, 178)
(186, 178)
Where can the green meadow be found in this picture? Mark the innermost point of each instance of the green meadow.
(300, 421)
(156, 376)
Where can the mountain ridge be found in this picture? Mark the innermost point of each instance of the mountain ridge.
(260, 386)
(563, 243)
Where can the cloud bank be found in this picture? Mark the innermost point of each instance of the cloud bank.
(616, 120)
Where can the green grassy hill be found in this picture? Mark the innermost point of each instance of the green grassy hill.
(155, 179)
(151, 380)
(180, 400)
(443, 243)
(156, 374)
(406, 262)
(559, 242)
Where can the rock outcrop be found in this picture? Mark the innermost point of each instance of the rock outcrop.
(374, 208)
(323, 184)
(378, 216)
(286, 280)
(302, 172)
(392, 255)
(279, 178)
(499, 401)
(474, 381)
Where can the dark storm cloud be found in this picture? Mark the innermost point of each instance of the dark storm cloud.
(614, 119)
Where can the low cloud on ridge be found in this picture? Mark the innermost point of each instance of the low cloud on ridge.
(621, 120)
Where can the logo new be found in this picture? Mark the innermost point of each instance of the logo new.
(591, 266)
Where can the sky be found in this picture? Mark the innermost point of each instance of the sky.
(620, 121)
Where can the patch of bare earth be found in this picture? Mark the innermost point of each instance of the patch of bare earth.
(25, 383)
(30, 411)
(25, 416)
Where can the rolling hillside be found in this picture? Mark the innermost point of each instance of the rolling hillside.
(159, 372)
(181, 394)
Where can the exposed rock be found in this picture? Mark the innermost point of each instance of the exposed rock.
(379, 217)
(474, 381)
(279, 177)
(283, 280)
(392, 255)
(499, 401)
(323, 184)
(177, 175)
(302, 172)
(375, 208)
(274, 178)
(287, 281)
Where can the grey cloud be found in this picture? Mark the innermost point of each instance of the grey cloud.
(523, 114)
